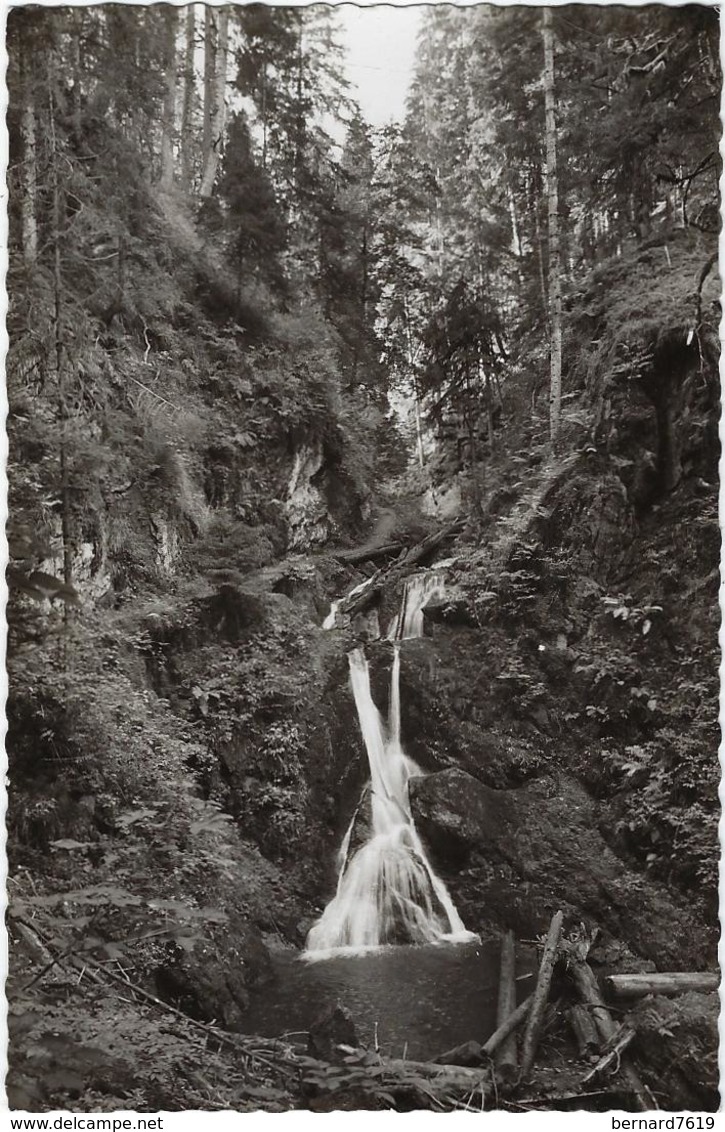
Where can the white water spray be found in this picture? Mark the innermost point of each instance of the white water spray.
(387, 891)
(330, 621)
(419, 590)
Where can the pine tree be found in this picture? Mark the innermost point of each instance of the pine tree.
(552, 195)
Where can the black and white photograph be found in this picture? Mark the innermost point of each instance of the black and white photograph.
(363, 560)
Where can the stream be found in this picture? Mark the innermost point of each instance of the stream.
(418, 1000)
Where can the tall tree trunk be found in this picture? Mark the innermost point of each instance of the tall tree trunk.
(187, 163)
(210, 37)
(65, 514)
(169, 112)
(360, 334)
(552, 196)
(299, 123)
(29, 186)
(515, 236)
(77, 46)
(212, 154)
(416, 391)
(538, 243)
(470, 422)
(264, 114)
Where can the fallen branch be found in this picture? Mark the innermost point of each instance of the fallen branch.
(612, 1056)
(506, 1055)
(667, 982)
(468, 1054)
(535, 1021)
(233, 1041)
(365, 553)
(512, 1023)
(544, 1103)
(588, 990)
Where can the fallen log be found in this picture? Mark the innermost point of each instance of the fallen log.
(359, 599)
(454, 1076)
(382, 550)
(588, 990)
(612, 1054)
(584, 1030)
(368, 553)
(661, 982)
(421, 550)
(506, 1060)
(512, 1023)
(535, 1020)
(469, 1054)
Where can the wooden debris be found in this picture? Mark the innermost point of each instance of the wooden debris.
(662, 982)
(368, 553)
(588, 990)
(535, 1020)
(612, 1054)
(564, 1100)
(506, 1060)
(389, 575)
(584, 1030)
(512, 1023)
(436, 1070)
(468, 1053)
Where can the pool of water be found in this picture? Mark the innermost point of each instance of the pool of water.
(417, 1001)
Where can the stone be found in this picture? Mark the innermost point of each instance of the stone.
(455, 812)
(452, 609)
(213, 980)
(305, 509)
(333, 1028)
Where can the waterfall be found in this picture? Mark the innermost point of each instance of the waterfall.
(387, 891)
(330, 621)
(408, 622)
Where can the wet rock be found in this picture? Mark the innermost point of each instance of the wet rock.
(302, 929)
(450, 610)
(214, 979)
(455, 812)
(333, 1028)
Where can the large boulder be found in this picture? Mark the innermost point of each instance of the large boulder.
(511, 858)
(213, 980)
(332, 1029)
(455, 813)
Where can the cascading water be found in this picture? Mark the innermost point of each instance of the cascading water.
(387, 891)
(419, 590)
(330, 621)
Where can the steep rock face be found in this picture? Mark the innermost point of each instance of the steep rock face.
(513, 857)
(320, 499)
(306, 509)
